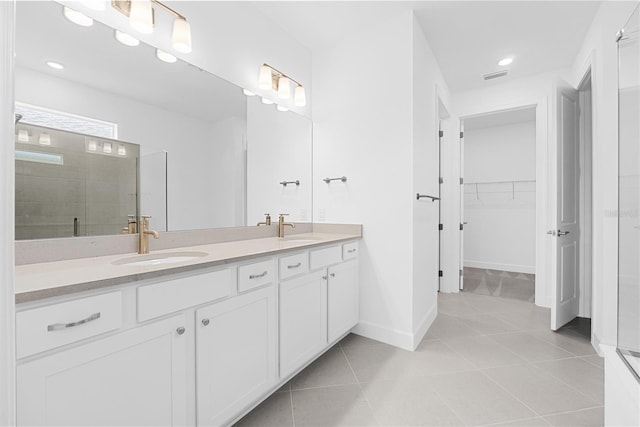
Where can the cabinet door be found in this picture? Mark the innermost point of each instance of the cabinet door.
(235, 354)
(342, 295)
(303, 320)
(138, 377)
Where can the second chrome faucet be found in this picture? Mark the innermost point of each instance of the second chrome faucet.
(282, 224)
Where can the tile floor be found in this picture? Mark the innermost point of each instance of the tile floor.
(485, 361)
(500, 283)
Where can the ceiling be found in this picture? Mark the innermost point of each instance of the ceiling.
(93, 57)
(500, 118)
(467, 37)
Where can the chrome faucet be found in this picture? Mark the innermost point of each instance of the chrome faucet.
(267, 220)
(281, 225)
(143, 240)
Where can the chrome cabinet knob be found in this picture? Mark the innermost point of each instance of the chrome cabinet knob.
(180, 330)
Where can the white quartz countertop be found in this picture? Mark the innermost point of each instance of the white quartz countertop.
(50, 279)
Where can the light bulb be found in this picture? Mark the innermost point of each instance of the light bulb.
(141, 16)
(126, 39)
(106, 148)
(181, 37)
(284, 89)
(299, 99)
(95, 4)
(505, 61)
(122, 151)
(265, 80)
(92, 145)
(166, 57)
(77, 17)
(45, 139)
(281, 108)
(248, 92)
(267, 101)
(23, 135)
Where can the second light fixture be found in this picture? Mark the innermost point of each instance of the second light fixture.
(271, 78)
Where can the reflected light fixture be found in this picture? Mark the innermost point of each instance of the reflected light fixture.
(267, 101)
(281, 108)
(505, 61)
(270, 78)
(126, 39)
(106, 148)
(55, 65)
(122, 151)
(166, 57)
(141, 15)
(92, 145)
(23, 135)
(77, 17)
(248, 92)
(45, 139)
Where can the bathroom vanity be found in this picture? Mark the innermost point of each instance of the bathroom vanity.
(178, 338)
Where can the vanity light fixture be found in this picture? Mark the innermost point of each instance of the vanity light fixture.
(92, 145)
(270, 78)
(23, 135)
(126, 39)
(505, 61)
(122, 151)
(142, 17)
(248, 92)
(77, 17)
(106, 148)
(267, 101)
(45, 139)
(55, 65)
(166, 57)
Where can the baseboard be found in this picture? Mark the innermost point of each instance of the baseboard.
(383, 334)
(529, 269)
(424, 325)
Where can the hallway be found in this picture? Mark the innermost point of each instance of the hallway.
(485, 361)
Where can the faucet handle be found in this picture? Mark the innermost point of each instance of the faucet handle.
(283, 215)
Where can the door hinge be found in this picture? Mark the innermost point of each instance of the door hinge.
(461, 273)
(461, 134)
(440, 274)
(461, 181)
(461, 227)
(440, 227)
(441, 134)
(441, 180)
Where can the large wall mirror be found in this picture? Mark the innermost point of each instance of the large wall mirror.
(204, 155)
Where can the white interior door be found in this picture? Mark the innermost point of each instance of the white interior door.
(565, 296)
(462, 221)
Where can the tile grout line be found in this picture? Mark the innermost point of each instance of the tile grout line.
(511, 394)
(566, 383)
(572, 411)
(364, 397)
(293, 413)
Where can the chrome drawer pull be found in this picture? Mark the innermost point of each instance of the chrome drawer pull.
(350, 251)
(294, 266)
(257, 276)
(61, 326)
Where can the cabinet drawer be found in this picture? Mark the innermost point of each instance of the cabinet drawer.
(159, 299)
(350, 250)
(59, 324)
(257, 274)
(293, 265)
(324, 257)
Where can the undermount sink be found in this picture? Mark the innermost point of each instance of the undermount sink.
(158, 259)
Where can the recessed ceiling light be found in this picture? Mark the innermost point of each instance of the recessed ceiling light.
(77, 17)
(55, 65)
(505, 61)
(166, 57)
(126, 39)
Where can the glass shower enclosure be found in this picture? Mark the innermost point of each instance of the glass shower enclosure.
(629, 194)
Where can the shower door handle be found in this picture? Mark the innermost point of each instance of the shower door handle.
(562, 233)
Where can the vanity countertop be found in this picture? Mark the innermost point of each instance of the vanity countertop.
(52, 279)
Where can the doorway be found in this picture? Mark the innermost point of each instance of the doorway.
(499, 203)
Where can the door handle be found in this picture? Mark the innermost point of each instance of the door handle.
(562, 233)
(551, 232)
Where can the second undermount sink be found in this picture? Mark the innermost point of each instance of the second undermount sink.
(159, 259)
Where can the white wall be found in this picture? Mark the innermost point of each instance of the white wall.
(155, 129)
(500, 230)
(230, 39)
(279, 148)
(364, 129)
(7, 216)
(531, 91)
(599, 51)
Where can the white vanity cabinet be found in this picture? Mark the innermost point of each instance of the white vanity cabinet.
(342, 299)
(136, 377)
(236, 343)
